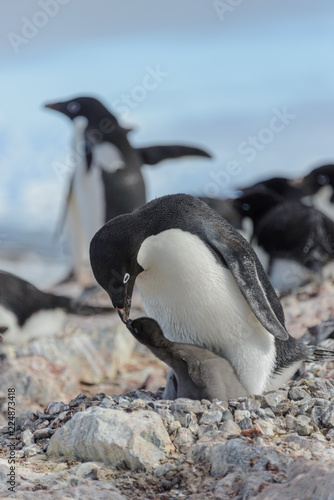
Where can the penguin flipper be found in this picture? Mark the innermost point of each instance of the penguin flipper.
(252, 281)
(155, 154)
(194, 370)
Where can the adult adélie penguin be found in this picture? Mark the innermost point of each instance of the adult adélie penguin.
(204, 285)
(106, 178)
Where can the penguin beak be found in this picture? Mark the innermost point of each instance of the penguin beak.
(56, 106)
(124, 312)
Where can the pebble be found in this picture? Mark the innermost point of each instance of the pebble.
(327, 418)
(230, 428)
(304, 426)
(211, 417)
(249, 440)
(297, 393)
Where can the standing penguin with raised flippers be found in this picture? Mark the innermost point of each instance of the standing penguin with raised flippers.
(107, 180)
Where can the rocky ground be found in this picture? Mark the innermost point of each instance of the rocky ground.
(113, 441)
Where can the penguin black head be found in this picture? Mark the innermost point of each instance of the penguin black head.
(256, 202)
(116, 268)
(91, 109)
(289, 189)
(79, 106)
(318, 178)
(147, 331)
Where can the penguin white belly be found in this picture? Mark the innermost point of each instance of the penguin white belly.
(108, 157)
(197, 301)
(88, 193)
(322, 201)
(40, 324)
(86, 206)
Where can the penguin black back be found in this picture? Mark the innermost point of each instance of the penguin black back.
(24, 299)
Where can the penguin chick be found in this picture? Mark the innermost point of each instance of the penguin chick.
(199, 373)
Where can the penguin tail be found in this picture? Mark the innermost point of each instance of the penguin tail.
(321, 354)
(74, 306)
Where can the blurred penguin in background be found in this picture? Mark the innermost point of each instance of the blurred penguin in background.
(293, 241)
(107, 179)
(318, 189)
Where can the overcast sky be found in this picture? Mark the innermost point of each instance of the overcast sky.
(251, 81)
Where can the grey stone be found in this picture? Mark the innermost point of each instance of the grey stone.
(305, 480)
(31, 450)
(272, 399)
(219, 405)
(327, 418)
(185, 418)
(291, 422)
(174, 426)
(304, 426)
(206, 430)
(319, 437)
(183, 440)
(27, 438)
(306, 405)
(266, 427)
(183, 405)
(253, 403)
(230, 428)
(242, 486)
(211, 417)
(163, 469)
(245, 424)
(135, 440)
(43, 433)
(330, 434)
(240, 415)
(321, 388)
(297, 393)
(238, 454)
(266, 413)
(54, 407)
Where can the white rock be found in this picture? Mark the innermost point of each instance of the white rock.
(136, 440)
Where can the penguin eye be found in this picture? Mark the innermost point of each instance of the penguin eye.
(126, 278)
(245, 207)
(322, 179)
(73, 107)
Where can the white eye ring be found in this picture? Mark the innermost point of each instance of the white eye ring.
(126, 278)
(73, 107)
